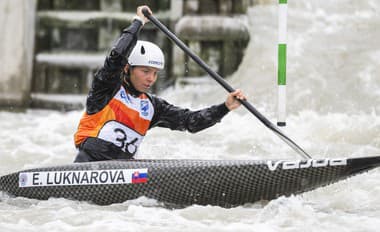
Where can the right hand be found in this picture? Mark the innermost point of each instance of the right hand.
(233, 98)
(140, 13)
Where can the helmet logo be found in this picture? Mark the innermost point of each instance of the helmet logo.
(155, 62)
(142, 50)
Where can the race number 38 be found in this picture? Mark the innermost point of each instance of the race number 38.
(122, 136)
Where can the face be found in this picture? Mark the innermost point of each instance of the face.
(143, 77)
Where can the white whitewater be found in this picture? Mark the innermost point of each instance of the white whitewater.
(333, 111)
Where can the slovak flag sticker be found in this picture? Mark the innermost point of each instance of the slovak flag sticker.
(139, 177)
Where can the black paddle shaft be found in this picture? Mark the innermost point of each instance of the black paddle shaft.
(223, 83)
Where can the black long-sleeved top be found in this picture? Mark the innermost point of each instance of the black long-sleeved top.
(108, 81)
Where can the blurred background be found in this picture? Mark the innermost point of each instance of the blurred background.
(50, 49)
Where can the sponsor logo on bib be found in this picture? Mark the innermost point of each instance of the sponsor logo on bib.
(144, 107)
(125, 96)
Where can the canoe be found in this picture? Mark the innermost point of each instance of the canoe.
(180, 183)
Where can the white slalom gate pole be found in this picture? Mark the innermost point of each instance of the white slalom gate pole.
(281, 62)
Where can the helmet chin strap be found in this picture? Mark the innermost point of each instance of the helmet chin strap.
(128, 83)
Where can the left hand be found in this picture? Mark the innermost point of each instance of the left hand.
(141, 14)
(233, 98)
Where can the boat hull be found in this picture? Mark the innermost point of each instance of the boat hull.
(179, 183)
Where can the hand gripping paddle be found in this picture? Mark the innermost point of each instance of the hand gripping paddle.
(224, 84)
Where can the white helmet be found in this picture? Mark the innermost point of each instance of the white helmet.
(146, 54)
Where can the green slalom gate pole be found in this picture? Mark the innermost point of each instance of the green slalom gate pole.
(281, 62)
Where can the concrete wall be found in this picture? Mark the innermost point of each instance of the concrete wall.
(17, 20)
(29, 51)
